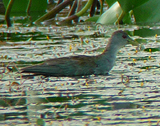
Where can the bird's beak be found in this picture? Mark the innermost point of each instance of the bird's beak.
(133, 42)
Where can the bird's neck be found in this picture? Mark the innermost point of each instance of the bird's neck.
(111, 50)
(109, 54)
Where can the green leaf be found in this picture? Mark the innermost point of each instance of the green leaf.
(148, 12)
(127, 5)
(110, 2)
(127, 18)
(119, 11)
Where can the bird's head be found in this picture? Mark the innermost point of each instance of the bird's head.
(120, 38)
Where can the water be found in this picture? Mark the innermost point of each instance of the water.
(129, 95)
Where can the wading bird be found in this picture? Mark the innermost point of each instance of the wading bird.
(82, 65)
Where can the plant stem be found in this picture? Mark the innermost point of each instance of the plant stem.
(7, 14)
(54, 11)
(85, 8)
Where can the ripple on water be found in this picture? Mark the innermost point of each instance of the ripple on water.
(129, 95)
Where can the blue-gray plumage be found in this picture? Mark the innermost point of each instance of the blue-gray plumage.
(82, 65)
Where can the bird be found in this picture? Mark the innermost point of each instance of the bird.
(83, 65)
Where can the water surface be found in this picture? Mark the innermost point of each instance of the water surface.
(129, 95)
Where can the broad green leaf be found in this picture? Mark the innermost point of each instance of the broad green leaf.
(119, 11)
(127, 5)
(110, 2)
(111, 15)
(148, 12)
(127, 18)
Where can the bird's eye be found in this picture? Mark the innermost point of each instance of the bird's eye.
(124, 36)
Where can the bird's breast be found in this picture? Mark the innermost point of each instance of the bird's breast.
(104, 65)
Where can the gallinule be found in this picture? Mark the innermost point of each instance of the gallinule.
(82, 65)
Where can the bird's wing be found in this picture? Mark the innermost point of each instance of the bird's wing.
(65, 66)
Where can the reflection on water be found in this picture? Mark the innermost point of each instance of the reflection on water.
(129, 95)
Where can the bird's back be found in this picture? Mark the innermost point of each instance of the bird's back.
(65, 66)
